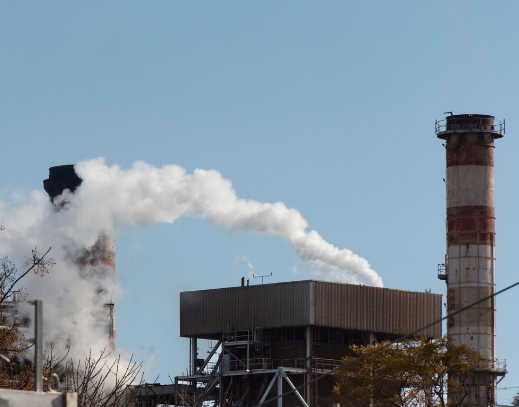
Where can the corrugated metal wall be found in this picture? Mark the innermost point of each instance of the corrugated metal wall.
(301, 303)
(374, 309)
(242, 308)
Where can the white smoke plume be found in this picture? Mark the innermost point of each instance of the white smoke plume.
(146, 195)
(110, 197)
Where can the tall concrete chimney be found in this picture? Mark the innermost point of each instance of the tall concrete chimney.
(470, 260)
(101, 256)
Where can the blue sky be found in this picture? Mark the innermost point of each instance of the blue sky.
(326, 106)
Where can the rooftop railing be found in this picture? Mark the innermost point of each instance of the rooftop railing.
(320, 364)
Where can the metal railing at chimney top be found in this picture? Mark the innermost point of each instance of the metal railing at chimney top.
(441, 126)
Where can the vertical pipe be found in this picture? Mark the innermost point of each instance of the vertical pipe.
(38, 341)
(192, 355)
(112, 325)
(309, 342)
(176, 391)
(220, 387)
(248, 355)
(192, 364)
(308, 364)
(280, 388)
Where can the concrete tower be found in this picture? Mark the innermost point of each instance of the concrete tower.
(101, 256)
(470, 261)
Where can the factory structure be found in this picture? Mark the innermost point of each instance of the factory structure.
(265, 340)
(275, 337)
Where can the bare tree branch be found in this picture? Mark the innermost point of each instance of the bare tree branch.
(37, 263)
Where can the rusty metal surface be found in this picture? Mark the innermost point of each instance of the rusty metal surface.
(354, 307)
(473, 223)
(471, 210)
(469, 119)
(472, 238)
(471, 230)
(470, 154)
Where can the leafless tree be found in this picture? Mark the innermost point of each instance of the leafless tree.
(15, 370)
(99, 381)
(10, 277)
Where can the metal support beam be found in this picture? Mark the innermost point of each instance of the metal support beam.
(309, 340)
(192, 355)
(280, 387)
(295, 390)
(38, 345)
(176, 391)
(268, 388)
(218, 370)
(245, 365)
(208, 359)
(278, 377)
(248, 356)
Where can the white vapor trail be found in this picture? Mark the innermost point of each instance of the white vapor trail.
(146, 195)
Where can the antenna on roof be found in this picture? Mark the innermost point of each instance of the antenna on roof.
(262, 277)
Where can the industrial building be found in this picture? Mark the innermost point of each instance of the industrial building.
(286, 334)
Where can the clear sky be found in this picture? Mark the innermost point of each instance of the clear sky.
(326, 106)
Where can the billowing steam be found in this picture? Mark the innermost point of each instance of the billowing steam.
(146, 195)
(110, 197)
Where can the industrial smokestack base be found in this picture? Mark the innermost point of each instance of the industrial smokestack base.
(470, 258)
